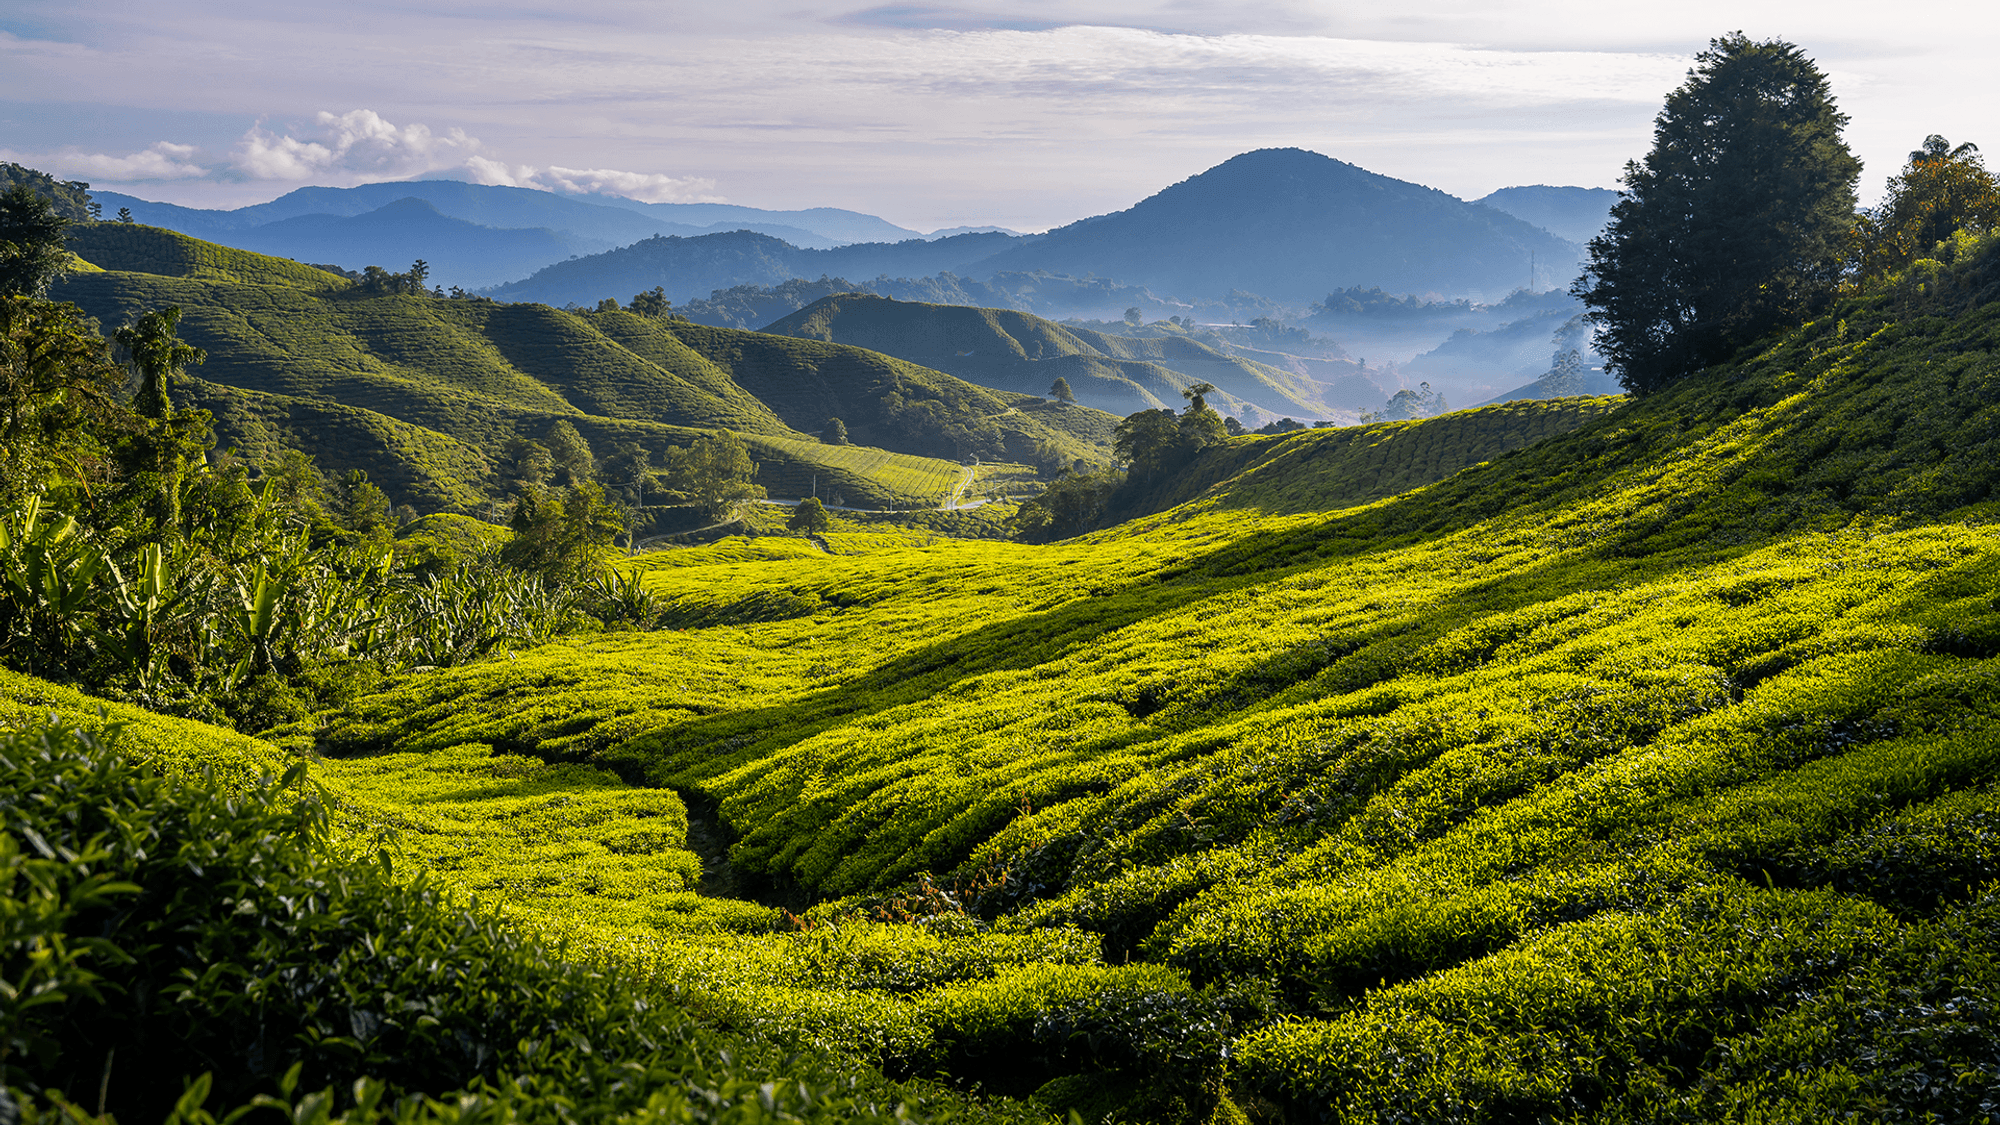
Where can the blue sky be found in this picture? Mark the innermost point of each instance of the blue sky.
(1025, 114)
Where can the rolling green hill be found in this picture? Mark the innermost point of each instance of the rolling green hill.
(1025, 354)
(134, 248)
(1315, 470)
(420, 391)
(1644, 773)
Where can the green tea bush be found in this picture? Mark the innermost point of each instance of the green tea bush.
(1641, 772)
(164, 936)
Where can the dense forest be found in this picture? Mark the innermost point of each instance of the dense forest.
(1580, 759)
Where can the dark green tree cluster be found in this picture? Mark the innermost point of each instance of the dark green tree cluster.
(1942, 190)
(931, 420)
(1154, 444)
(810, 517)
(1410, 402)
(1158, 442)
(1072, 504)
(379, 282)
(653, 302)
(70, 198)
(1734, 225)
(563, 516)
(32, 255)
(715, 474)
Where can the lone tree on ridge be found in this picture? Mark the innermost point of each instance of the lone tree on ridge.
(1734, 225)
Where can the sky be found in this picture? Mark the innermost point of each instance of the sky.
(1019, 113)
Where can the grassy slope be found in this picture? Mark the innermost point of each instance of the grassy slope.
(134, 248)
(808, 381)
(1642, 773)
(1025, 354)
(1315, 470)
(420, 391)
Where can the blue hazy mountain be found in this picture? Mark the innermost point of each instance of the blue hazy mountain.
(690, 268)
(1284, 224)
(527, 229)
(1293, 225)
(458, 252)
(1575, 213)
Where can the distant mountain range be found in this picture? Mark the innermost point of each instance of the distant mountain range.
(1574, 213)
(1294, 225)
(1281, 227)
(1285, 224)
(475, 235)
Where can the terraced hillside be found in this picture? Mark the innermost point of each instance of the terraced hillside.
(1023, 353)
(1644, 773)
(420, 391)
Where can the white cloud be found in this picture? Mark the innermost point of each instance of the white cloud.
(163, 161)
(644, 186)
(356, 146)
(647, 187)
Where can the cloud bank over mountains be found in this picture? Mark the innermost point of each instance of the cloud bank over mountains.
(356, 147)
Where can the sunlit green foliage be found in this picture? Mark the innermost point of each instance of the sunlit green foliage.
(1642, 772)
(421, 393)
(135, 248)
(172, 944)
(1941, 191)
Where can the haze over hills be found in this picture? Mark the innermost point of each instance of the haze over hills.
(697, 266)
(1294, 225)
(1260, 235)
(481, 235)
(1283, 224)
(1575, 213)
(1017, 351)
(422, 391)
(459, 253)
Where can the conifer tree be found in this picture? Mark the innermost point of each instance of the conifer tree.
(1734, 225)
(31, 243)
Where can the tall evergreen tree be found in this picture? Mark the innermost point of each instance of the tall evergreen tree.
(31, 242)
(158, 354)
(574, 463)
(1734, 225)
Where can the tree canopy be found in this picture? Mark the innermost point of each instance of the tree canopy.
(157, 355)
(713, 473)
(1735, 224)
(810, 517)
(1943, 189)
(71, 198)
(32, 254)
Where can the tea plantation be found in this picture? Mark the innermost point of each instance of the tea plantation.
(1642, 772)
(422, 391)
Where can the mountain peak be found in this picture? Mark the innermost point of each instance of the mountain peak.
(1294, 225)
